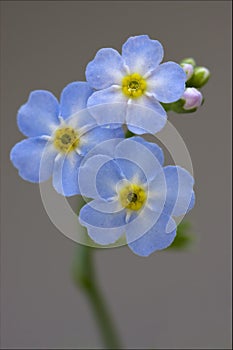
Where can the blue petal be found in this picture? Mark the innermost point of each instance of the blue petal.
(108, 106)
(175, 186)
(102, 214)
(106, 69)
(140, 222)
(167, 82)
(27, 158)
(140, 155)
(145, 115)
(159, 237)
(39, 116)
(98, 177)
(107, 178)
(105, 148)
(65, 174)
(141, 54)
(131, 171)
(104, 236)
(81, 121)
(192, 202)
(153, 147)
(74, 98)
(98, 135)
(87, 175)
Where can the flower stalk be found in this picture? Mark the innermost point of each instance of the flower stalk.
(85, 278)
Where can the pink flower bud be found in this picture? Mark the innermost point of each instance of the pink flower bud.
(193, 98)
(188, 69)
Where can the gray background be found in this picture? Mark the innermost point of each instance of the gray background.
(171, 299)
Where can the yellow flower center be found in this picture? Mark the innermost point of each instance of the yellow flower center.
(66, 139)
(133, 85)
(132, 197)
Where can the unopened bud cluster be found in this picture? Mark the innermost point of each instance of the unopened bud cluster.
(197, 77)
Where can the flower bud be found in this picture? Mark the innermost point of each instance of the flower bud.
(188, 69)
(192, 97)
(199, 78)
(188, 61)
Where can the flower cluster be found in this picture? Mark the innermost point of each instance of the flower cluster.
(80, 142)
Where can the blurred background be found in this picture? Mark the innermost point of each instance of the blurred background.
(171, 299)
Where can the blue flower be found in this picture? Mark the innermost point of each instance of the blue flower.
(133, 195)
(135, 82)
(59, 136)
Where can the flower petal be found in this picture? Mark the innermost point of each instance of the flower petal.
(141, 54)
(27, 158)
(39, 116)
(81, 121)
(107, 178)
(192, 202)
(167, 82)
(98, 135)
(65, 174)
(153, 147)
(98, 177)
(101, 214)
(104, 236)
(87, 175)
(104, 148)
(140, 155)
(131, 171)
(158, 237)
(108, 106)
(175, 186)
(74, 98)
(106, 69)
(145, 115)
(140, 222)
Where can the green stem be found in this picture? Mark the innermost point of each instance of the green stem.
(84, 277)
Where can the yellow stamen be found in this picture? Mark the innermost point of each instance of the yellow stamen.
(66, 139)
(133, 85)
(132, 197)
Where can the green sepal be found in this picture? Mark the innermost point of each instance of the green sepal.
(189, 60)
(129, 134)
(183, 237)
(166, 106)
(177, 107)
